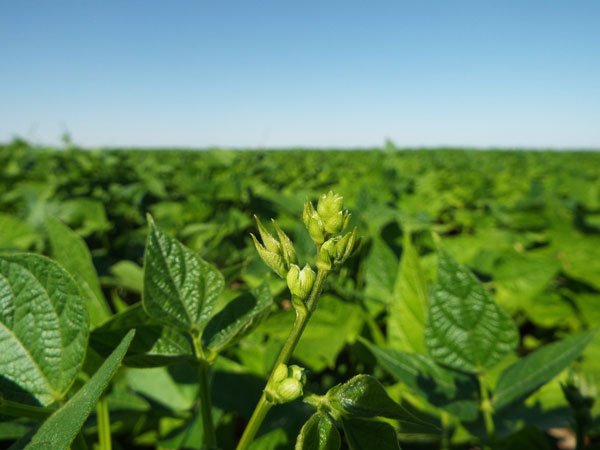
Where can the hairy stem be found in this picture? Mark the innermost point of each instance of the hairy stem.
(487, 410)
(103, 417)
(302, 318)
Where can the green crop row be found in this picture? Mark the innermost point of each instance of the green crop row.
(473, 297)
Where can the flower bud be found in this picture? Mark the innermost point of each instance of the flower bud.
(331, 213)
(297, 373)
(300, 282)
(345, 246)
(316, 229)
(314, 224)
(286, 384)
(281, 373)
(326, 254)
(271, 259)
(277, 254)
(330, 204)
(269, 241)
(288, 390)
(287, 248)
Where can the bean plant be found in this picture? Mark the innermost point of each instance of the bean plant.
(443, 362)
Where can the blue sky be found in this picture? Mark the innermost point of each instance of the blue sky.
(304, 73)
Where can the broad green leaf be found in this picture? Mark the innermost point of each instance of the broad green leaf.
(520, 278)
(128, 275)
(71, 251)
(153, 345)
(537, 368)
(180, 288)
(238, 318)
(408, 310)
(579, 256)
(84, 215)
(381, 266)
(451, 390)
(369, 435)
(318, 433)
(15, 234)
(60, 429)
(364, 396)
(43, 329)
(466, 329)
(174, 387)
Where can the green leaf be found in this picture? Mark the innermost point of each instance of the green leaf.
(364, 396)
(43, 329)
(381, 266)
(466, 329)
(451, 390)
(408, 310)
(369, 434)
(128, 275)
(154, 344)
(15, 234)
(536, 369)
(238, 318)
(71, 251)
(319, 433)
(180, 288)
(61, 427)
(173, 387)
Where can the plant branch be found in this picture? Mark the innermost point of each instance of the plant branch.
(302, 319)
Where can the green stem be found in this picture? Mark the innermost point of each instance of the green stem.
(302, 318)
(445, 442)
(103, 417)
(487, 410)
(17, 409)
(259, 414)
(210, 438)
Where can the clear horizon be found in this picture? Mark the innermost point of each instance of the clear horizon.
(513, 74)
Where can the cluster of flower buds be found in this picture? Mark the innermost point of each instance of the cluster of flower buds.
(286, 384)
(277, 253)
(335, 251)
(300, 282)
(328, 219)
(324, 224)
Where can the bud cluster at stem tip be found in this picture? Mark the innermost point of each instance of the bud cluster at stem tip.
(327, 219)
(286, 384)
(325, 224)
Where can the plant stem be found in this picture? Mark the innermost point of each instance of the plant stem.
(103, 417)
(210, 439)
(445, 442)
(487, 410)
(302, 318)
(208, 427)
(259, 414)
